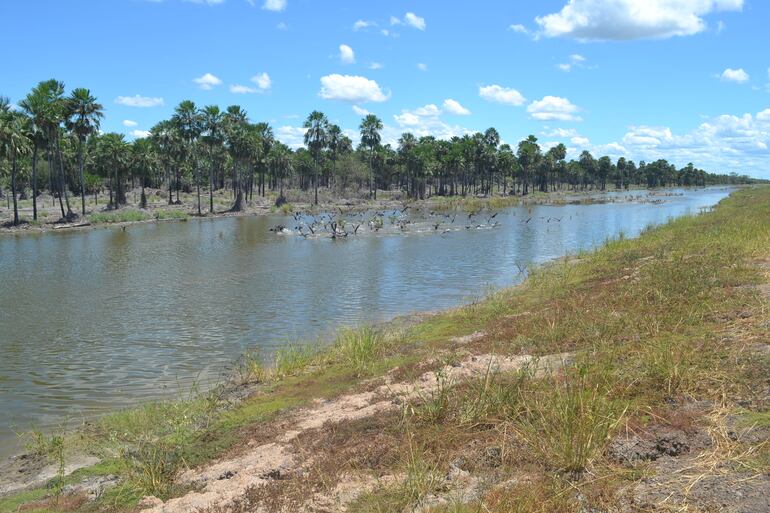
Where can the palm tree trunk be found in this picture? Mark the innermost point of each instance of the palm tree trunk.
(82, 180)
(211, 189)
(315, 179)
(34, 183)
(63, 180)
(13, 191)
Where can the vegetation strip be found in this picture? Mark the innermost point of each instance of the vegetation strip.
(663, 405)
(52, 143)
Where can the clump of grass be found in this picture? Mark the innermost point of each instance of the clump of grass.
(52, 447)
(420, 477)
(567, 421)
(124, 216)
(294, 359)
(360, 348)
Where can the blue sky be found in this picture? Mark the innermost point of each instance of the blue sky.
(684, 79)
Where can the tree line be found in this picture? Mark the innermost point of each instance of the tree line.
(51, 141)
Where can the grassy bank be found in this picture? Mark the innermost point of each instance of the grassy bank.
(666, 378)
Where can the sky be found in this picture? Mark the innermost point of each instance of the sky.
(686, 80)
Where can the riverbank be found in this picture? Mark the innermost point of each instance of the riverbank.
(629, 378)
(158, 209)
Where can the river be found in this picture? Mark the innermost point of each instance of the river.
(107, 318)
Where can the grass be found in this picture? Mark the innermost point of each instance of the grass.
(122, 216)
(661, 320)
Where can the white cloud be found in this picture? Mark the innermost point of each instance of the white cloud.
(274, 5)
(574, 60)
(346, 55)
(130, 123)
(631, 19)
(351, 88)
(282, 26)
(415, 21)
(519, 28)
(422, 66)
(395, 21)
(735, 75)
(579, 140)
(500, 94)
(207, 2)
(360, 111)
(726, 143)
(376, 65)
(139, 101)
(242, 89)
(561, 132)
(423, 121)
(362, 24)
(292, 136)
(553, 108)
(139, 134)
(454, 107)
(262, 80)
(207, 81)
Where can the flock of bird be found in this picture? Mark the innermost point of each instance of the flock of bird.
(343, 224)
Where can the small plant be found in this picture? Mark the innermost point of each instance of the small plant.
(567, 421)
(293, 359)
(360, 348)
(433, 406)
(50, 447)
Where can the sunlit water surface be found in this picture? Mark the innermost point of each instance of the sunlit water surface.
(95, 320)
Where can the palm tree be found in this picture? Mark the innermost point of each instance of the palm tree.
(144, 160)
(334, 140)
(113, 154)
(267, 138)
(188, 121)
(281, 162)
(35, 105)
(370, 128)
(236, 136)
(316, 126)
(83, 115)
(211, 121)
(13, 144)
(167, 140)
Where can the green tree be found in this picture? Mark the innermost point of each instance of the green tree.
(188, 121)
(316, 126)
(212, 125)
(14, 143)
(83, 117)
(370, 128)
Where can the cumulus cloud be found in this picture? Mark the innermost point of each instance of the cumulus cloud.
(346, 55)
(410, 19)
(560, 132)
(415, 21)
(376, 65)
(360, 111)
(500, 94)
(422, 121)
(553, 108)
(454, 107)
(262, 80)
(575, 60)
(735, 75)
(422, 66)
(631, 19)
(139, 101)
(207, 81)
(351, 88)
(726, 143)
(519, 28)
(292, 136)
(274, 5)
(242, 89)
(139, 134)
(130, 123)
(362, 24)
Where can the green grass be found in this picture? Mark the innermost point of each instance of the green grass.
(123, 216)
(161, 215)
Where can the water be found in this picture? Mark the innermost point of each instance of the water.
(95, 320)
